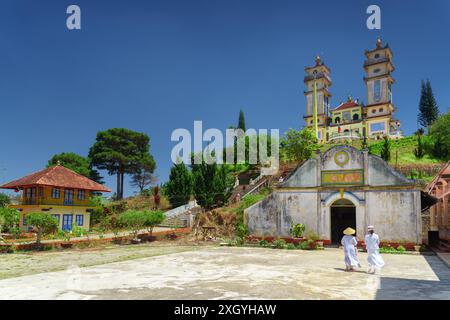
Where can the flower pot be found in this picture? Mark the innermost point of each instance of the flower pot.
(417, 248)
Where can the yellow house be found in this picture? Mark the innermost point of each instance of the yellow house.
(59, 191)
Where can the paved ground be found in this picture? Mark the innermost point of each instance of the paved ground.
(239, 273)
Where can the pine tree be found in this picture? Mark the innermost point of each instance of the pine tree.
(428, 108)
(179, 187)
(386, 149)
(419, 152)
(241, 123)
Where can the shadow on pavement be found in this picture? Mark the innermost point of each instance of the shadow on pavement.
(406, 289)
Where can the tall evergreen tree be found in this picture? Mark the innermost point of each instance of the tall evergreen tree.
(241, 122)
(428, 108)
(179, 186)
(386, 149)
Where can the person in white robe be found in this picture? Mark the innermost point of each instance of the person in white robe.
(374, 258)
(350, 243)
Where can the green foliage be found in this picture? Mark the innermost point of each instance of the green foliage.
(419, 152)
(241, 122)
(4, 200)
(121, 151)
(279, 243)
(307, 245)
(428, 108)
(77, 163)
(179, 186)
(153, 218)
(401, 248)
(9, 220)
(298, 145)
(134, 220)
(297, 230)
(212, 184)
(439, 138)
(264, 243)
(386, 149)
(290, 246)
(142, 175)
(241, 230)
(389, 249)
(43, 222)
(312, 236)
(78, 231)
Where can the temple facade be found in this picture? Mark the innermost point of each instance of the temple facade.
(341, 188)
(352, 119)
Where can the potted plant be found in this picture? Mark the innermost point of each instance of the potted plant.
(297, 230)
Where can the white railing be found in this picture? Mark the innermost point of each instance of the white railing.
(345, 135)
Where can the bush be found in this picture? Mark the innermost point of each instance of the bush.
(290, 246)
(297, 230)
(279, 243)
(135, 220)
(153, 218)
(4, 200)
(401, 248)
(78, 231)
(9, 220)
(311, 235)
(306, 245)
(264, 243)
(44, 224)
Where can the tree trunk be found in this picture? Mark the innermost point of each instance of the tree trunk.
(38, 238)
(121, 185)
(118, 186)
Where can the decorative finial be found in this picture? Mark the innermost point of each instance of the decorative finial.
(349, 99)
(318, 60)
(378, 43)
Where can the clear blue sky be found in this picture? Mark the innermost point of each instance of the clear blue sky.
(154, 66)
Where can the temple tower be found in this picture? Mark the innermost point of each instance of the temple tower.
(379, 109)
(319, 74)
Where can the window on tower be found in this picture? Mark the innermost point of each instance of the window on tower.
(337, 120)
(377, 90)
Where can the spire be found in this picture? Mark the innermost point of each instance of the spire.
(378, 43)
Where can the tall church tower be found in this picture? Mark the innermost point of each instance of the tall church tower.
(320, 75)
(379, 109)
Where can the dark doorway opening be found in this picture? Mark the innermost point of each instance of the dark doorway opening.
(343, 215)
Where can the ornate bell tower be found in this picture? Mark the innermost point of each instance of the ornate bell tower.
(317, 81)
(379, 109)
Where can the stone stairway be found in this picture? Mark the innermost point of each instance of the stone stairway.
(443, 245)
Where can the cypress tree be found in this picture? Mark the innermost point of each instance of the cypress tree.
(386, 149)
(428, 108)
(241, 123)
(179, 187)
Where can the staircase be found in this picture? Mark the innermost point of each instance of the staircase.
(443, 245)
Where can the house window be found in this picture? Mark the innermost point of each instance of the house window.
(380, 110)
(355, 117)
(377, 127)
(80, 220)
(30, 195)
(376, 70)
(346, 116)
(373, 110)
(68, 196)
(377, 90)
(337, 120)
(81, 195)
(57, 217)
(377, 55)
(56, 193)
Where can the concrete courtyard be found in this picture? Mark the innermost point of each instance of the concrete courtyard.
(239, 273)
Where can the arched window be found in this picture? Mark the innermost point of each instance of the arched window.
(380, 110)
(337, 120)
(355, 117)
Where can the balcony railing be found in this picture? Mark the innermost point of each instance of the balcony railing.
(52, 202)
(345, 135)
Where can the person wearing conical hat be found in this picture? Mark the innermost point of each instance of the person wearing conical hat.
(374, 258)
(350, 243)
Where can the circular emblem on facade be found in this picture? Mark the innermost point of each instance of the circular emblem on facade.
(341, 158)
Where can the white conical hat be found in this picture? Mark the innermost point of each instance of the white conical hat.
(370, 227)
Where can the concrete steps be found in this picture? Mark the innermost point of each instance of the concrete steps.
(443, 246)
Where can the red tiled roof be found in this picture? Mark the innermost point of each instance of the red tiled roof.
(57, 176)
(346, 105)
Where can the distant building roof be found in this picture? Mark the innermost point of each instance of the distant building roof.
(56, 176)
(347, 105)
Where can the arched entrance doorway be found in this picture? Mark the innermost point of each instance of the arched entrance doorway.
(343, 215)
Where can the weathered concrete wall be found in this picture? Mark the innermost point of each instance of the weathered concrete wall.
(395, 213)
(304, 176)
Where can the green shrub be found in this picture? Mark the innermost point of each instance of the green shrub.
(241, 230)
(78, 231)
(311, 235)
(153, 219)
(401, 248)
(290, 246)
(297, 230)
(279, 243)
(134, 220)
(4, 200)
(264, 243)
(44, 224)
(306, 245)
(9, 220)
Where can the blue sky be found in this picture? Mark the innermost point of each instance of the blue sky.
(154, 66)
